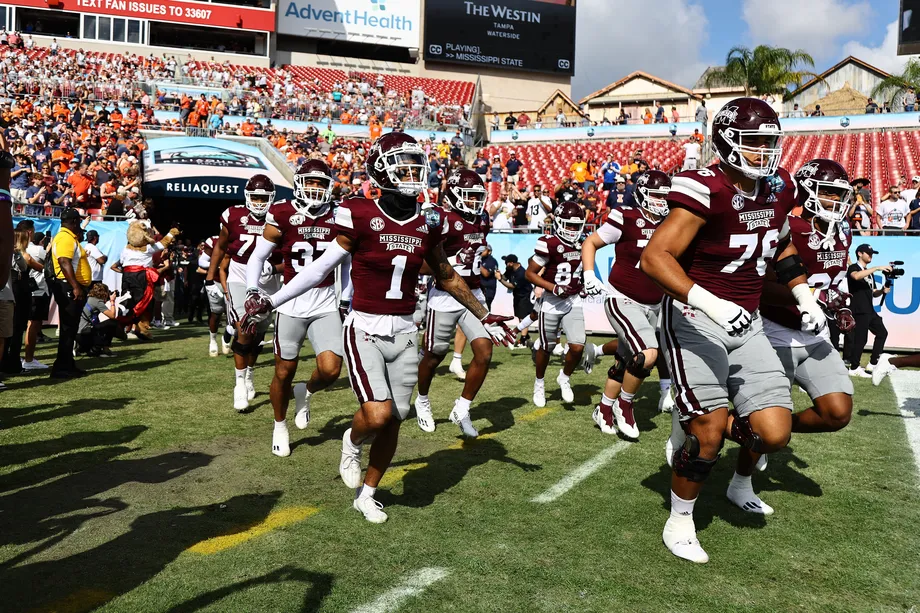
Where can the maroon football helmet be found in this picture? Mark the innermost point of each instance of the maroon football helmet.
(311, 198)
(396, 163)
(824, 191)
(260, 194)
(568, 222)
(652, 188)
(466, 193)
(748, 126)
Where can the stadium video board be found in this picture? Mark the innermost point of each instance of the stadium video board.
(536, 35)
(909, 27)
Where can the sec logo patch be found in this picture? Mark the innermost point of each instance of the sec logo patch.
(737, 202)
(296, 220)
(244, 220)
(377, 224)
(458, 226)
(814, 241)
(560, 249)
(640, 223)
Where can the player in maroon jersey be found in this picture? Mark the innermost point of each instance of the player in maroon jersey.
(559, 256)
(216, 303)
(822, 238)
(634, 304)
(240, 226)
(390, 240)
(463, 243)
(710, 255)
(301, 229)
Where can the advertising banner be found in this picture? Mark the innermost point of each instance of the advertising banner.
(898, 309)
(178, 11)
(548, 135)
(537, 35)
(380, 22)
(187, 167)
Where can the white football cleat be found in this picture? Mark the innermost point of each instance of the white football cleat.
(859, 372)
(370, 508)
(224, 347)
(882, 369)
(604, 423)
(302, 406)
(281, 442)
(676, 440)
(456, 367)
(679, 537)
(746, 500)
(626, 420)
(761, 462)
(565, 386)
(350, 464)
(250, 386)
(240, 397)
(588, 358)
(212, 349)
(33, 365)
(539, 394)
(463, 420)
(559, 350)
(666, 402)
(423, 415)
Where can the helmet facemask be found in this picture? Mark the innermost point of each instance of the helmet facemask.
(654, 203)
(469, 201)
(312, 192)
(406, 168)
(258, 201)
(828, 201)
(767, 147)
(569, 230)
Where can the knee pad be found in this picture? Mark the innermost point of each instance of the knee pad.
(243, 349)
(688, 463)
(636, 366)
(744, 435)
(616, 371)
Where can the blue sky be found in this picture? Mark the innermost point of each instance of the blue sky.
(677, 39)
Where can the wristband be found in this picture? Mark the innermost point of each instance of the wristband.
(802, 294)
(589, 274)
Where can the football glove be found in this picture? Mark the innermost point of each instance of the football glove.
(214, 290)
(258, 307)
(832, 300)
(466, 257)
(344, 308)
(593, 285)
(732, 318)
(845, 320)
(564, 291)
(497, 328)
(813, 317)
(268, 271)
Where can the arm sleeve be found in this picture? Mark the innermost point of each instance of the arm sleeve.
(260, 254)
(310, 276)
(348, 289)
(612, 230)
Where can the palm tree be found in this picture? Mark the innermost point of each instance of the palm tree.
(764, 69)
(895, 86)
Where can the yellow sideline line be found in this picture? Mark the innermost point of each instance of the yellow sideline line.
(396, 474)
(276, 519)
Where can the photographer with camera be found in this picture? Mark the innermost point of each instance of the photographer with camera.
(863, 290)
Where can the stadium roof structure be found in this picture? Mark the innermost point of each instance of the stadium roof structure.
(560, 96)
(604, 94)
(845, 62)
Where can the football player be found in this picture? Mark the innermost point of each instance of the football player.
(240, 225)
(463, 244)
(389, 239)
(710, 256)
(822, 239)
(301, 228)
(216, 303)
(634, 304)
(560, 257)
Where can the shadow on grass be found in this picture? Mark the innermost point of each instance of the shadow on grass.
(22, 416)
(332, 430)
(86, 580)
(446, 468)
(498, 412)
(320, 587)
(780, 475)
(21, 453)
(913, 410)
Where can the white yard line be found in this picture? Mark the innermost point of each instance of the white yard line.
(906, 386)
(410, 586)
(581, 473)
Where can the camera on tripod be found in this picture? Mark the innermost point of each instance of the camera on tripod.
(895, 272)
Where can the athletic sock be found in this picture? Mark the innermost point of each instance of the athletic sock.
(351, 446)
(213, 336)
(367, 491)
(626, 397)
(230, 330)
(457, 356)
(606, 401)
(680, 507)
(525, 323)
(538, 382)
(240, 375)
(563, 377)
(462, 406)
(422, 397)
(741, 482)
(249, 372)
(281, 425)
(664, 384)
(598, 350)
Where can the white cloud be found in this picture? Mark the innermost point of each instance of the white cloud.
(817, 26)
(885, 56)
(617, 37)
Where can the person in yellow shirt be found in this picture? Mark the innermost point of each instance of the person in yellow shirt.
(443, 149)
(579, 170)
(72, 277)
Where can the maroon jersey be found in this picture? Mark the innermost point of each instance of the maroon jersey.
(729, 255)
(243, 228)
(630, 231)
(462, 234)
(561, 262)
(387, 255)
(826, 264)
(303, 238)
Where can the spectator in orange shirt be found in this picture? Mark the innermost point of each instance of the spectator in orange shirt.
(115, 117)
(579, 169)
(376, 129)
(82, 185)
(345, 117)
(247, 128)
(64, 153)
(185, 108)
(203, 109)
(696, 136)
(647, 116)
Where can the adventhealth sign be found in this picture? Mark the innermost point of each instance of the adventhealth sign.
(382, 22)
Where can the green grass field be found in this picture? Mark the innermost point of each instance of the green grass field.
(138, 488)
